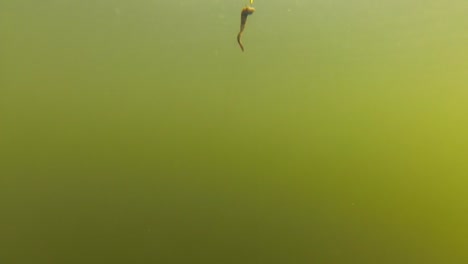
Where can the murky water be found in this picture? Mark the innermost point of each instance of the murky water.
(138, 132)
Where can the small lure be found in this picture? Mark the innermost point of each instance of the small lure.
(245, 12)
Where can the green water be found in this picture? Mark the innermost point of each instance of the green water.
(138, 132)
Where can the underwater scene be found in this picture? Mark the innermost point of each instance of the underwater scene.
(234, 131)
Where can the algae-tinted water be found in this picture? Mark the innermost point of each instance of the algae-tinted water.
(138, 132)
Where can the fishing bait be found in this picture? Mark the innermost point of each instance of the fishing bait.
(245, 12)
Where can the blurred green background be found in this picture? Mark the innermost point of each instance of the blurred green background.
(138, 132)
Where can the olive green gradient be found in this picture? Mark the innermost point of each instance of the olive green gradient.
(138, 132)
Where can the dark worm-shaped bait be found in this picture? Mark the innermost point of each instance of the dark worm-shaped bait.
(245, 12)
